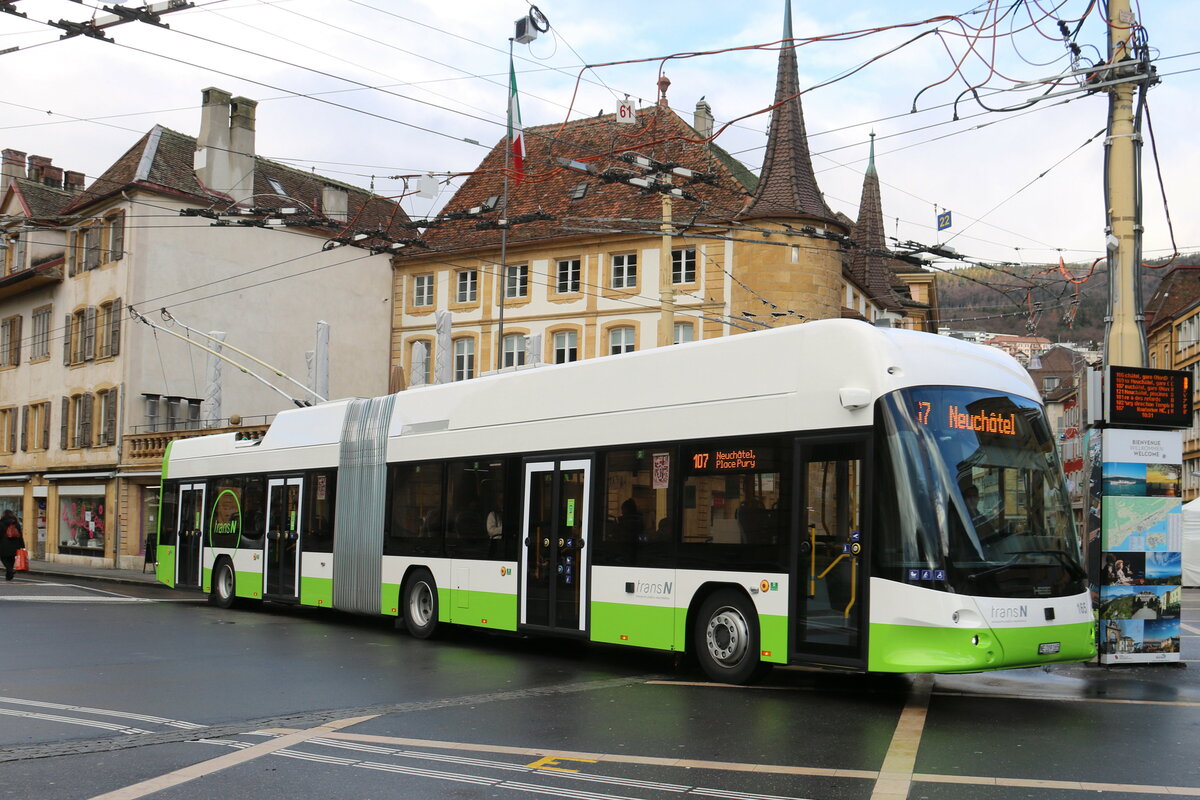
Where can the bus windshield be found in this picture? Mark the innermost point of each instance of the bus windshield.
(980, 500)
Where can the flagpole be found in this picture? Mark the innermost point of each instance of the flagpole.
(504, 216)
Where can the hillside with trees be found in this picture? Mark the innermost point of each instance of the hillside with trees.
(1036, 300)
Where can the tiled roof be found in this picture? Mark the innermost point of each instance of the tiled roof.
(1178, 291)
(162, 161)
(787, 185)
(43, 202)
(547, 186)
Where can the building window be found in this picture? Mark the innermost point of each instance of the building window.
(620, 340)
(76, 421)
(79, 343)
(514, 350)
(683, 265)
(81, 521)
(684, 332)
(14, 253)
(10, 341)
(624, 271)
(464, 359)
(1050, 383)
(421, 371)
(468, 286)
(568, 276)
(115, 231)
(516, 281)
(423, 291)
(110, 328)
(183, 413)
(8, 430)
(566, 347)
(39, 343)
(35, 428)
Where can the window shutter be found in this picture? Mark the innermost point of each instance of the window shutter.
(114, 331)
(12, 431)
(67, 340)
(66, 417)
(116, 240)
(25, 428)
(110, 416)
(85, 426)
(91, 247)
(72, 253)
(14, 357)
(89, 334)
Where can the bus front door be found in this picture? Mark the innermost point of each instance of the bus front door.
(281, 571)
(829, 594)
(555, 553)
(190, 546)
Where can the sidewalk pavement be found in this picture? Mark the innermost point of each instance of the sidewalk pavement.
(40, 568)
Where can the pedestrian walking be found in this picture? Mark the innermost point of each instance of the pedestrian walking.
(10, 542)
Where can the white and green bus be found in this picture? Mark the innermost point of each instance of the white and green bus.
(830, 493)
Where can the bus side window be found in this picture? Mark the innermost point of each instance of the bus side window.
(253, 512)
(318, 514)
(638, 507)
(168, 515)
(415, 525)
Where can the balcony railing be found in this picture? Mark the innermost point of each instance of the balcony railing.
(147, 448)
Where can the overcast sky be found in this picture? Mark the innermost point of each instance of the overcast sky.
(383, 88)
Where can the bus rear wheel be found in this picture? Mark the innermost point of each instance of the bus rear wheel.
(420, 605)
(726, 638)
(224, 584)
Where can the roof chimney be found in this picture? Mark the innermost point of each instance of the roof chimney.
(52, 176)
(73, 181)
(704, 119)
(241, 159)
(13, 167)
(335, 202)
(211, 160)
(37, 168)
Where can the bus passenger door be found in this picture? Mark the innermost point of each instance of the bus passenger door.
(190, 544)
(556, 547)
(281, 554)
(829, 590)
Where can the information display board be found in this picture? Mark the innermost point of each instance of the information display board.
(1149, 398)
(1140, 543)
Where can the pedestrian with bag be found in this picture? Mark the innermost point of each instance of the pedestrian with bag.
(11, 541)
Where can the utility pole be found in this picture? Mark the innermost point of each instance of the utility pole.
(1124, 333)
(666, 289)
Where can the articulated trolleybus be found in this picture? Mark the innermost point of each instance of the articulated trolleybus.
(830, 493)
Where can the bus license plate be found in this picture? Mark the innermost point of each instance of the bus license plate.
(1049, 648)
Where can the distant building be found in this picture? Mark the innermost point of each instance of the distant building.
(1022, 348)
(92, 397)
(615, 268)
(1173, 342)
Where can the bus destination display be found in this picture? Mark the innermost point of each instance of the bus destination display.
(957, 418)
(1149, 398)
(738, 460)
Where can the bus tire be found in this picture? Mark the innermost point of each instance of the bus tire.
(420, 606)
(726, 638)
(224, 584)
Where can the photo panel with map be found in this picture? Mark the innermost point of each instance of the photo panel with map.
(1141, 524)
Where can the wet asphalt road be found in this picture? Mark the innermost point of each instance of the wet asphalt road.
(122, 692)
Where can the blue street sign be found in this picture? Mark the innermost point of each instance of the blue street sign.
(943, 220)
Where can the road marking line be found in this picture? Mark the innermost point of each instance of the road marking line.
(896, 774)
(1190, 628)
(91, 723)
(1028, 783)
(104, 712)
(1062, 699)
(205, 768)
(614, 758)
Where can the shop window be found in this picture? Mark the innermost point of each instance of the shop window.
(81, 523)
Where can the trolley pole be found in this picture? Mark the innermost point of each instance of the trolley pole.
(1124, 333)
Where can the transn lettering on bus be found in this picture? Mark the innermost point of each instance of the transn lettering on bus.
(983, 422)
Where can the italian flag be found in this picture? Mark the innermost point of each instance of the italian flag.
(516, 136)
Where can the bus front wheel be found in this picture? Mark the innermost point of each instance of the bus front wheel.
(726, 638)
(421, 604)
(224, 584)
